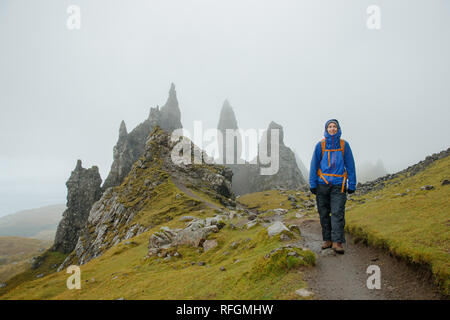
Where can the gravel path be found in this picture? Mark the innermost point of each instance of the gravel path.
(337, 276)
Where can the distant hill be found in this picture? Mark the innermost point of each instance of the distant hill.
(37, 223)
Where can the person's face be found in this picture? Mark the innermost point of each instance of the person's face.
(332, 128)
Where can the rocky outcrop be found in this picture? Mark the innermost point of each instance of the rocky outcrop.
(113, 218)
(228, 123)
(247, 176)
(288, 175)
(83, 189)
(194, 234)
(381, 182)
(130, 146)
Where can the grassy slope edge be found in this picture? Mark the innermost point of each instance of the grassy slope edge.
(413, 225)
(247, 275)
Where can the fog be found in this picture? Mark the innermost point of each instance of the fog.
(63, 93)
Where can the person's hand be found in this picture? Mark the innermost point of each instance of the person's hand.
(314, 190)
(350, 191)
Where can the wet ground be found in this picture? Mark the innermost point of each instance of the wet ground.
(344, 276)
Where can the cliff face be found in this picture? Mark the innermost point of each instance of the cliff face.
(130, 146)
(83, 189)
(288, 175)
(84, 185)
(148, 196)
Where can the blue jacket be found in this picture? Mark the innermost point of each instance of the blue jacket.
(337, 163)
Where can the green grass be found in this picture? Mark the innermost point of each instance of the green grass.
(16, 252)
(415, 227)
(248, 274)
(126, 271)
(271, 199)
(28, 276)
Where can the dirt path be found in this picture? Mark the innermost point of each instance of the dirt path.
(344, 276)
(191, 194)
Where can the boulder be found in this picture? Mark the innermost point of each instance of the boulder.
(276, 228)
(209, 244)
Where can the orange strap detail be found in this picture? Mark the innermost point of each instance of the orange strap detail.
(322, 175)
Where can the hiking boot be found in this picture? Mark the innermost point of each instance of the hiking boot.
(338, 248)
(326, 245)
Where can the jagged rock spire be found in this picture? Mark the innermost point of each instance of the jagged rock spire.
(170, 112)
(130, 146)
(123, 130)
(276, 126)
(79, 166)
(83, 189)
(228, 120)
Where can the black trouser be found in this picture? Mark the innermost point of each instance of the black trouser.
(331, 207)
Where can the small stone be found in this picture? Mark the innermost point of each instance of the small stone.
(222, 268)
(209, 244)
(2, 285)
(187, 218)
(40, 275)
(234, 245)
(251, 224)
(201, 263)
(427, 187)
(121, 298)
(294, 228)
(276, 228)
(303, 292)
(445, 182)
(284, 237)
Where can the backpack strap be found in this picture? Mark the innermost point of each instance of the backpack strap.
(322, 175)
(343, 147)
(323, 147)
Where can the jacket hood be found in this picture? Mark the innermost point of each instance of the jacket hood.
(332, 141)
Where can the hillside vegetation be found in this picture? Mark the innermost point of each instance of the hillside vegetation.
(412, 223)
(16, 254)
(125, 270)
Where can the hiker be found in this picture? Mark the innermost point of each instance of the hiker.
(332, 175)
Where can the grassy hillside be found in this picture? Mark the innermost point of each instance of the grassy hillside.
(125, 271)
(409, 222)
(16, 253)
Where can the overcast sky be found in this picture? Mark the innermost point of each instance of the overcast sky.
(63, 93)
